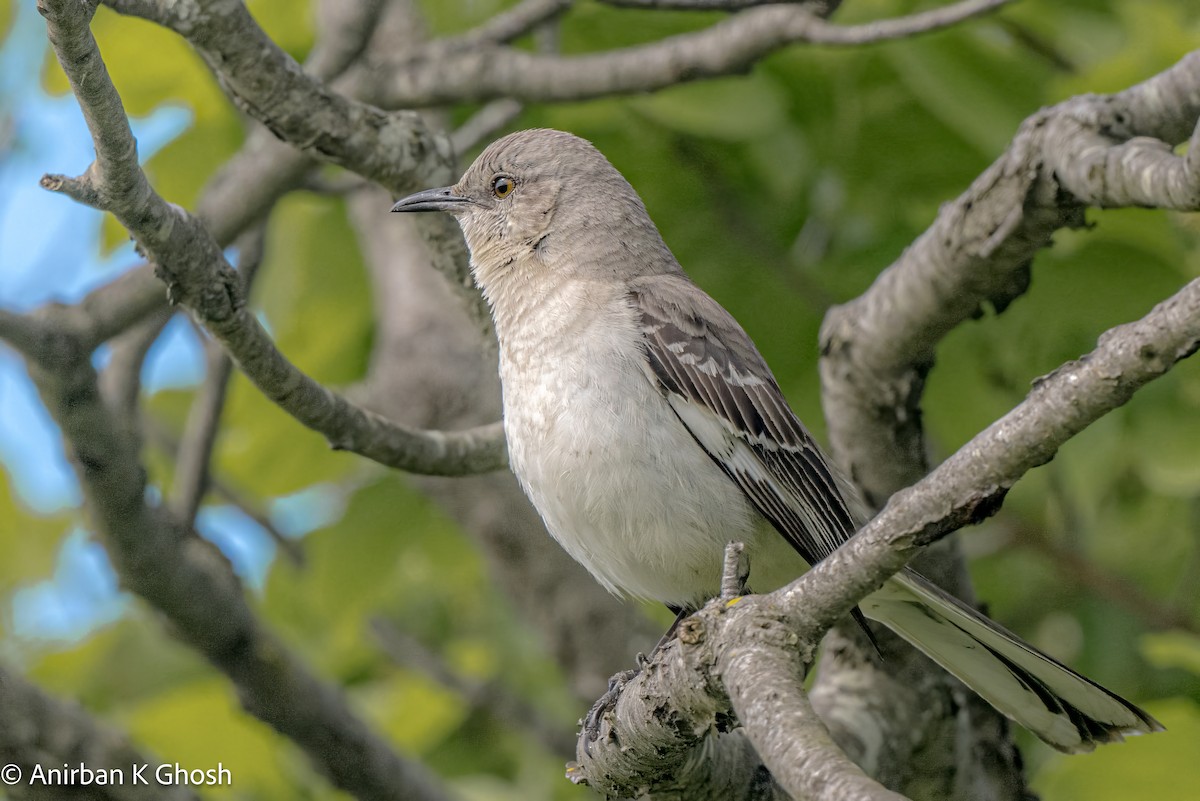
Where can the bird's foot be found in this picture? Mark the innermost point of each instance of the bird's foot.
(591, 723)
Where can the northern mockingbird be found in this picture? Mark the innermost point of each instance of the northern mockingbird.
(649, 432)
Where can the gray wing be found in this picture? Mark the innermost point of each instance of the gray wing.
(722, 390)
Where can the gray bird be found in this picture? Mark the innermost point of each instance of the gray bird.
(648, 431)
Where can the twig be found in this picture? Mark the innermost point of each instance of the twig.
(343, 183)
(507, 25)
(499, 113)
(483, 123)
(689, 5)
(121, 383)
(345, 28)
(159, 436)
(200, 431)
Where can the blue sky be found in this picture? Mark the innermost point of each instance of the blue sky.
(49, 251)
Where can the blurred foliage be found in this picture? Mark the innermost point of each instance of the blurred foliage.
(782, 192)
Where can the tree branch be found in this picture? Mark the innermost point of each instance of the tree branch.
(690, 5)
(121, 381)
(161, 559)
(484, 123)
(395, 149)
(877, 349)
(434, 77)
(345, 28)
(241, 191)
(198, 276)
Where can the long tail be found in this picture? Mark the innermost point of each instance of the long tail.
(1057, 704)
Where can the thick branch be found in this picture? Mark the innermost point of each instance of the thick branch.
(877, 349)
(967, 486)
(198, 276)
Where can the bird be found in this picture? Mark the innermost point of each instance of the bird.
(648, 431)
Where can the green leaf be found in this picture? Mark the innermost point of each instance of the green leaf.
(1173, 649)
(121, 664)
(288, 24)
(1164, 445)
(412, 711)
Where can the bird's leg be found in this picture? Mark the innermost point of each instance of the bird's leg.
(681, 613)
(735, 572)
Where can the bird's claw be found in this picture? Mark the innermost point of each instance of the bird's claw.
(591, 723)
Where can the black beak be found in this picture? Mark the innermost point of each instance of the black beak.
(432, 200)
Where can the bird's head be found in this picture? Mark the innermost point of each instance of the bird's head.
(541, 197)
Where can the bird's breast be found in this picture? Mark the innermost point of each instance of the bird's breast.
(617, 478)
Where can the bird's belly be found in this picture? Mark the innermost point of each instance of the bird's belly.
(623, 486)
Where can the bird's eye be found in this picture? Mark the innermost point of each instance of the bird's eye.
(502, 186)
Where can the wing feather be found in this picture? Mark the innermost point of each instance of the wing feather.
(723, 391)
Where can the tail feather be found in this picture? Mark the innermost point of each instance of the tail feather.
(1066, 710)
